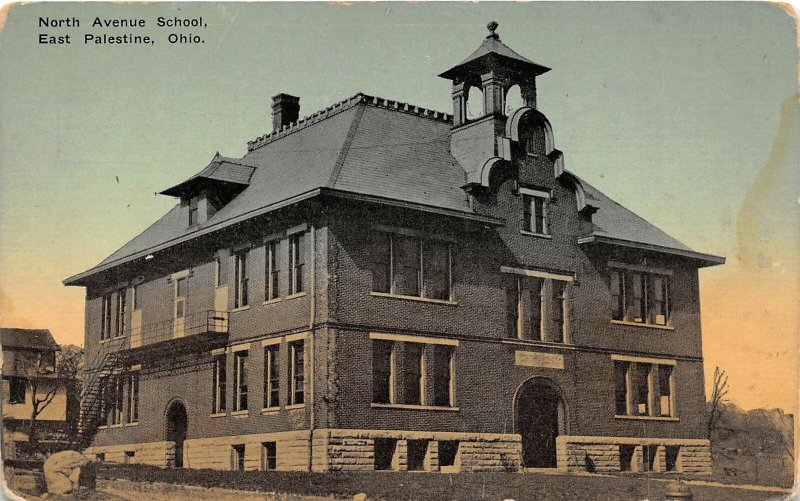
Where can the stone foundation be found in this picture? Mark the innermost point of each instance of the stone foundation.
(605, 454)
(152, 453)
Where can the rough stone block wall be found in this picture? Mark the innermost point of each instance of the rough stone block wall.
(216, 453)
(695, 459)
(153, 453)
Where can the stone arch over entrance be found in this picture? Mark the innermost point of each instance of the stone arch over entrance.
(175, 429)
(540, 416)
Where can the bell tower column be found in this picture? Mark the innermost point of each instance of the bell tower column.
(459, 104)
(494, 90)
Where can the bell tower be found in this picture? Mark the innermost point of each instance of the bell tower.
(494, 68)
(481, 142)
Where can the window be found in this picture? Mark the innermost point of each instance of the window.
(640, 297)
(272, 278)
(535, 211)
(417, 455)
(237, 457)
(105, 317)
(240, 380)
(412, 266)
(193, 213)
(17, 389)
(296, 261)
(129, 455)
(671, 457)
(643, 389)
(443, 376)
(271, 376)
(119, 324)
(385, 450)
(219, 381)
(413, 374)
(559, 311)
(269, 456)
(220, 271)
(133, 397)
(119, 399)
(382, 372)
(137, 297)
(180, 297)
(296, 373)
(531, 316)
(240, 298)
(448, 450)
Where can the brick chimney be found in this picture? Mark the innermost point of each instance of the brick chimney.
(285, 110)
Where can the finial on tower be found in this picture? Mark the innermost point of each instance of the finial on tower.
(492, 26)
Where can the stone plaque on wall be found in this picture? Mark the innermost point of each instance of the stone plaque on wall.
(538, 359)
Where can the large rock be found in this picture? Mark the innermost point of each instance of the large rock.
(63, 472)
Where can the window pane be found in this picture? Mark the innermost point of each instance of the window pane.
(441, 375)
(664, 389)
(296, 371)
(641, 393)
(617, 296)
(381, 262)
(437, 270)
(406, 265)
(536, 308)
(527, 215)
(635, 309)
(180, 287)
(381, 371)
(412, 373)
(620, 388)
(559, 310)
(538, 215)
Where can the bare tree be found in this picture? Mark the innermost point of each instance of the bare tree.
(41, 379)
(717, 399)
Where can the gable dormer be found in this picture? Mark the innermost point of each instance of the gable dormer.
(205, 193)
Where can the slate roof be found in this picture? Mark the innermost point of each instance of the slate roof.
(220, 170)
(35, 339)
(389, 151)
(492, 48)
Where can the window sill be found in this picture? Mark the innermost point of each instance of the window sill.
(533, 234)
(272, 301)
(120, 425)
(270, 411)
(296, 406)
(118, 337)
(295, 295)
(414, 298)
(218, 415)
(241, 308)
(647, 418)
(102, 427)
(642, 324)
(136, 423)
(244, 413)
(412, 407)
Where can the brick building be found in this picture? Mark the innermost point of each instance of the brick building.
(382, 286)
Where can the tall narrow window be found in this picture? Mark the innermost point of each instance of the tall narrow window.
(105, 317)
(240, 298)
(220, 271)
(535, 208)
(621, 387)
(436, 269)
(272, 275)
(137, 297)
(640, 388)
(660, 304)
(180, 297)
(382, 372)
(269, 456)
(119, 399)
(382, 255)
(406, 265)
(443, 375)
(665, 389)
(296, 373)
(559, 311)
(240, 380)
(237, 457)
(219, 388)
(514, 307)
(636, 304)
(617, 286)
(133, 397)
(413, 373)
(296, 263)
(537, 291)
(119, 321)
(271, 376)
(193, 212)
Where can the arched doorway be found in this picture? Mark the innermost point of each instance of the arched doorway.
(540, 418)
(177, 424)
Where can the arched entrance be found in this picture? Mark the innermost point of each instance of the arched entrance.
(177, 424)
(540, 418)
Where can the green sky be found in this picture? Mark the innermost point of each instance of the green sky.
(673, 109)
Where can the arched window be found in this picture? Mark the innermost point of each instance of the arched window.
(474, 103)
(513, 99)
(532, 137)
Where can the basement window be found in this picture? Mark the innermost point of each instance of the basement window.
(448, 450)
(417, 450)
(385, 449)
(649, 460)
(237, 457)
(671, 457)
(129, 455)
(269, 456)
(626, 457)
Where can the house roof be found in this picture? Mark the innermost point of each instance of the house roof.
(221, 170)
(493, 52)
(33, 339)
(367, 147)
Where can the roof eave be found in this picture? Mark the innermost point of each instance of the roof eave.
(704, 259)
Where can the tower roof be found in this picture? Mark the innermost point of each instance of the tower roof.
(493, 53)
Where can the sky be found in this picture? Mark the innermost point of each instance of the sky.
(686, 113)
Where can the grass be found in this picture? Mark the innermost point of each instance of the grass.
(424, 486)
(733, 468)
